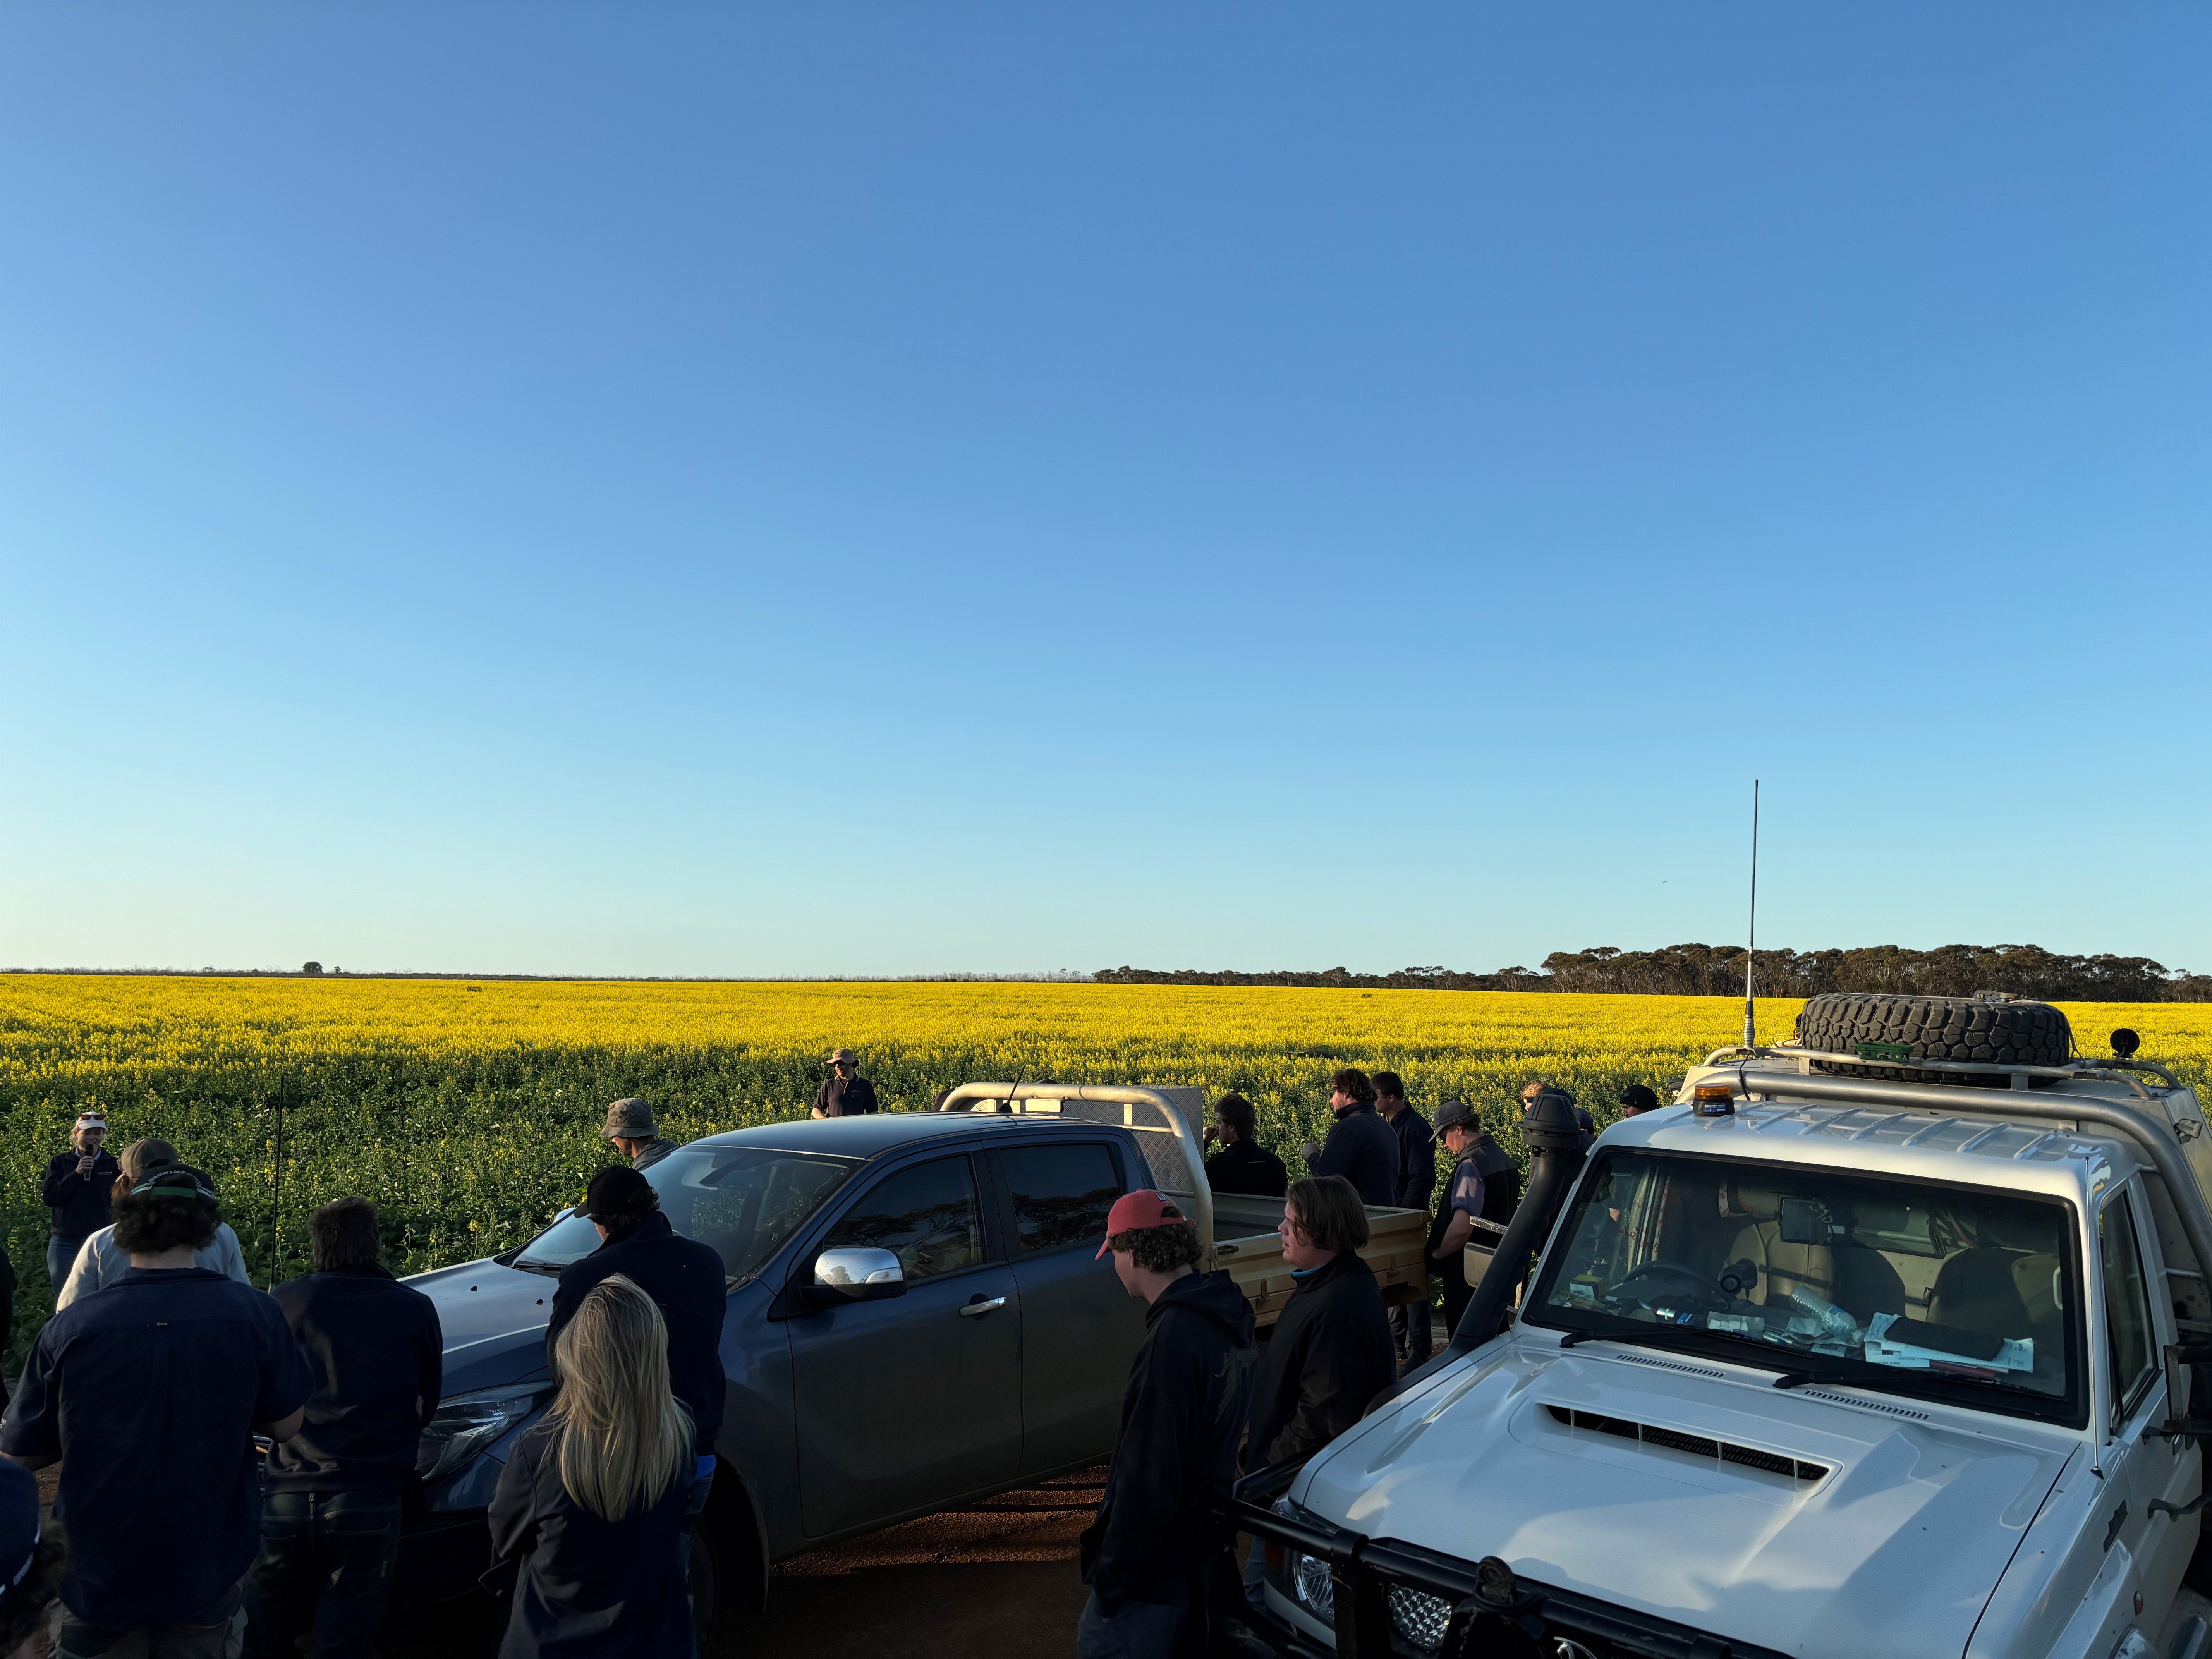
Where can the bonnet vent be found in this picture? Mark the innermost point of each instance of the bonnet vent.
(1696, 1445)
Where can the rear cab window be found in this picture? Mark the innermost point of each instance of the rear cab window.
(1060, 1194)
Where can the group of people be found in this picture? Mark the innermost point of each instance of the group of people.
(1386, 1149)
(161, 1364)
(1207, 1402)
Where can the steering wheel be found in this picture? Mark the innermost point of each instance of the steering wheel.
(1685, 1278)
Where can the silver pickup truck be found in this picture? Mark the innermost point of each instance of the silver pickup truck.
(917, 1318)
(1884, 1349)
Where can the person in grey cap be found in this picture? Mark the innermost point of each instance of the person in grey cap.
(844, 1092)
(629, 1125)
(1460, 1132)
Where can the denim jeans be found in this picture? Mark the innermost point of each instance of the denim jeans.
(1140, 1630)
(61, 1256)
(326, 1569)
(205, 1635)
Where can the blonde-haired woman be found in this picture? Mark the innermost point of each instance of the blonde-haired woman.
(594, 1497)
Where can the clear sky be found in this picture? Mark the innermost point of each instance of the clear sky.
(857, 488)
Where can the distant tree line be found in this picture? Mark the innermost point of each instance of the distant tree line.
(1949, 970)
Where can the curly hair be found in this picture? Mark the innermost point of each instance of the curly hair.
(148, 1226)
(1160, 1249)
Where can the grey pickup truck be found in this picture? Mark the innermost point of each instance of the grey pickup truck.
(915, 1318)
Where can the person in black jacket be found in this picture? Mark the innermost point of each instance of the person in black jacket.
(1242, 1165)
(1417, 1184)
(1149, 1556)
(1329, 1354)
(683, 1276)
(80, 1186)
(1361, 1146)
(330, 1503)
(592, 1497)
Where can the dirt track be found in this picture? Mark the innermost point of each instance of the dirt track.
(998, 1579)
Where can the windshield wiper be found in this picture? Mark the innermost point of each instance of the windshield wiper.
(1692, 1338)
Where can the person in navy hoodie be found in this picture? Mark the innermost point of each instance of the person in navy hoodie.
(1157, 1565)
(592, 1497)
(330, 1510)
(685, 1280)
(150, 1394)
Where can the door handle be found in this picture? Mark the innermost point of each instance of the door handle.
(978, 1306)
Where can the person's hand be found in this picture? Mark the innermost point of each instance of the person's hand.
(1211, 1135)
(1310, 1151)
(84, 1163)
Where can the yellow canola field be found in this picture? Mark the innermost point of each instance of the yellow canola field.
(470, 1111)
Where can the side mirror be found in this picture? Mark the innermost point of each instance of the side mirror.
(856, 1274)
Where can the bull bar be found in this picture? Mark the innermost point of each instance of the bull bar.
(1496, 1613)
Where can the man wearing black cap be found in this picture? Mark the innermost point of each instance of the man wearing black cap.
(682, 1275)
(331, 1511)
(1636, 1100)
(150, 1394)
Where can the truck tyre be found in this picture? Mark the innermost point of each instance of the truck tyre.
(1934, 1028)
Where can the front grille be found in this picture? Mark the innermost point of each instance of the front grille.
(1418, 1617)
(1696, 1445)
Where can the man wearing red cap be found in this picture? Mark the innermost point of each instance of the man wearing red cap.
(1148, 1555)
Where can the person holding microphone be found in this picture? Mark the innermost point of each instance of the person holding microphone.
(80, 1186)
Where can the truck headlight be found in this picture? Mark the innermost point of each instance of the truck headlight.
(464, 1426)
(1310, 1580)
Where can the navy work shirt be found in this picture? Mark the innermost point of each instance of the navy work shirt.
(845, 1096)
(148, 1391)
(80, 1201)
(379, 1357)
(684, 1278)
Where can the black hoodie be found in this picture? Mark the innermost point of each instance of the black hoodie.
(1180, 1421)
(1329, 1355)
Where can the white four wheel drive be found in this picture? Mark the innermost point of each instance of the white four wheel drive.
(1882, 1343)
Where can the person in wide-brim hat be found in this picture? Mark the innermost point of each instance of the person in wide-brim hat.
(630, 1126)
(844, 1092)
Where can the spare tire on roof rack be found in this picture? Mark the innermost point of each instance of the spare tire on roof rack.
(1886, 1033)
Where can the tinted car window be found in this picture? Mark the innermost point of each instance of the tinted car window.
(927, 1215)
(1061, 1194)
(743, 1201)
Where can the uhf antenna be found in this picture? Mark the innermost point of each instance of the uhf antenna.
(1751, 947)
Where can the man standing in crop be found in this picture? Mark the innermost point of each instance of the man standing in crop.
(844, 1092)
(80, 1185)
(629, 1125)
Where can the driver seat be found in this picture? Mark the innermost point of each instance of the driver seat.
(1782, 1267)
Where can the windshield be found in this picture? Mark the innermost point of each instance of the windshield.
(1881, 1283)
(743, 1200)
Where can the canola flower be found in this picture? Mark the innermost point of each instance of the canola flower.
(470, 1113)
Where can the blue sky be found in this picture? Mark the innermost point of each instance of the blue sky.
(868, 489)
